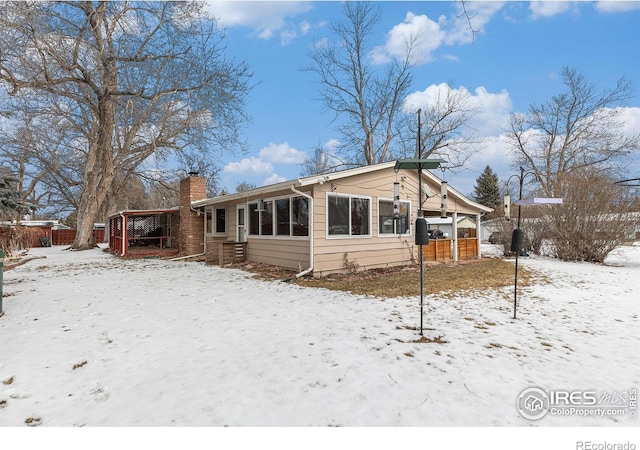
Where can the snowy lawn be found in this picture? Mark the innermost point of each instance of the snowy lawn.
(90, 339)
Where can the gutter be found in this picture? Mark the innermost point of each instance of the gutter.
(306, 271)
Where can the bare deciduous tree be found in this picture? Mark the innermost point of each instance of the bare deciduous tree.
(126, 80)
(578, 129)
(321, 162)
(445, 132)
(367, 97)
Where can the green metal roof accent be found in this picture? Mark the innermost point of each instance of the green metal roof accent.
(418, 164)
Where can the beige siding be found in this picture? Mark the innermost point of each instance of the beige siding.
(367, 252)
(289, 253)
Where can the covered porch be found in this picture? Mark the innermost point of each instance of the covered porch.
(144, 234)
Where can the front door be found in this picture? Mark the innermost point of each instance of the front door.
(241, 227)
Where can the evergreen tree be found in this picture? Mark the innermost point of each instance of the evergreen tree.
(486, 190)
(10, 198)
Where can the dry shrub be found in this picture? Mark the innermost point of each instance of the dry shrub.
(594, 219)
(13, 240)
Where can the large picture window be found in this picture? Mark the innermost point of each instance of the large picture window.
(348, 216)
(285, 216)
(386, 224)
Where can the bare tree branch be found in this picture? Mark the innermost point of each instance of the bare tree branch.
(130, 79)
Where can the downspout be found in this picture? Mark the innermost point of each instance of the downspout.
(306, 271)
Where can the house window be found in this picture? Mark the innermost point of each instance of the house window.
(299, 216)
(386, 223)
(261, 221)
(221, 224)
(208, 221)
(283, 216)
(266, 219)
(254, 219)
(291, 216)
(348, 215)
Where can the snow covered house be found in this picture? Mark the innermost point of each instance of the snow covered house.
(322, 224)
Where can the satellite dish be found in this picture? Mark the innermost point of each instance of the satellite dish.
(427, 191)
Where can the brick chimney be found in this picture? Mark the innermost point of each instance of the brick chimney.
(192, 188)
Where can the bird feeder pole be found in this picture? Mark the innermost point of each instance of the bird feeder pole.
(422, 237)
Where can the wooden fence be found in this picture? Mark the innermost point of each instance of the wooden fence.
(66, 237)
(437, 250)
(441, 249)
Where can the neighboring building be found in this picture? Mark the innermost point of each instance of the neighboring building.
(466, 226)
(490, 226)
(42, 232)
(322, 224)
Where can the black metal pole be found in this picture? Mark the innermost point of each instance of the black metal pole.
(515, 282)
(420, 214)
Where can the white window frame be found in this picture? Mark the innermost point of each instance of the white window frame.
(390, 200)
(209, 221)
(348, 236)
(274, 217)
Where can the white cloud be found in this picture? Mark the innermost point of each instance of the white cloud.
(424, 33)
(305, 27)
(611, 6)
(491, 110)
(282, 153)
(630, 118)
(477, 15)
(249, 166)
(428, 35)
(331, 145)
(287, 36)
(274, 178)
(542, 8)
(265, 18)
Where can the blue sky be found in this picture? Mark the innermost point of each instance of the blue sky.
(511, 62)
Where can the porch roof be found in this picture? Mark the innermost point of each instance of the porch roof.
(144, 212)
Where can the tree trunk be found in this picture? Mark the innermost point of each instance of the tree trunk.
(99, 168)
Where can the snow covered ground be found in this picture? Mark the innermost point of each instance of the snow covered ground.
(88, 339)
